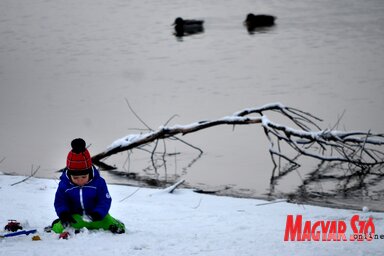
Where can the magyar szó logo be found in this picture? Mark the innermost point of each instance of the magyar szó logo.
(329, 230)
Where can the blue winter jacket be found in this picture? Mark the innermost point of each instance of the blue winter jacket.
(90, 198)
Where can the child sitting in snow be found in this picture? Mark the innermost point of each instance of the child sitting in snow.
(82, 199)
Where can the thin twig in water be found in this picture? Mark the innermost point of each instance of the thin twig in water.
(33, 172)
(188, 144)
(137, 116)
(336, 125)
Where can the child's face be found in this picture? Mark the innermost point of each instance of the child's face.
(80, 180)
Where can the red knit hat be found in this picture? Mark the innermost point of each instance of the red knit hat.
(79, 160)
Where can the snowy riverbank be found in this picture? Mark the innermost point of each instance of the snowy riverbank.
(181, 223)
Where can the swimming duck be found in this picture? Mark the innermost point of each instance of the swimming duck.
(253, 22)
(187, 27)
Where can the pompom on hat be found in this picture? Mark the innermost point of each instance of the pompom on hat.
(79, 160)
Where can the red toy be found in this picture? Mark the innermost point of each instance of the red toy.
(64, 235)
(13, 226)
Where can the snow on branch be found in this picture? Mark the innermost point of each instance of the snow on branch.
(303, 135)
(135, 140)
(328, 145)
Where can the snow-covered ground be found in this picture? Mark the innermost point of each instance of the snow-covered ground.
(181, 223)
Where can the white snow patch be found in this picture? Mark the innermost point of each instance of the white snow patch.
(181, 223)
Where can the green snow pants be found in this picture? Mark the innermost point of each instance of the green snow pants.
(108, 223)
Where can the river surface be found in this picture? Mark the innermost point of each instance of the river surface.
(68, 68)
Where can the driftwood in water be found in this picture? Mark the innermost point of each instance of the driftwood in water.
(303, 136)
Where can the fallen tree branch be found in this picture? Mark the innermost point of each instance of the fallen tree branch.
(172, 188)
(347, 144)
(134, 140)
(354, 147)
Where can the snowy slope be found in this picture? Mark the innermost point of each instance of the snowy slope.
(181, 223)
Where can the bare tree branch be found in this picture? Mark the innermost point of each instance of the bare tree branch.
(304, 136)
(33, 172)
(134, 140)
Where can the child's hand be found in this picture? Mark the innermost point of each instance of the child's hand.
(95, 216)
(66, 218)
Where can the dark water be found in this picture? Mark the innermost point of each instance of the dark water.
(68, 67)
